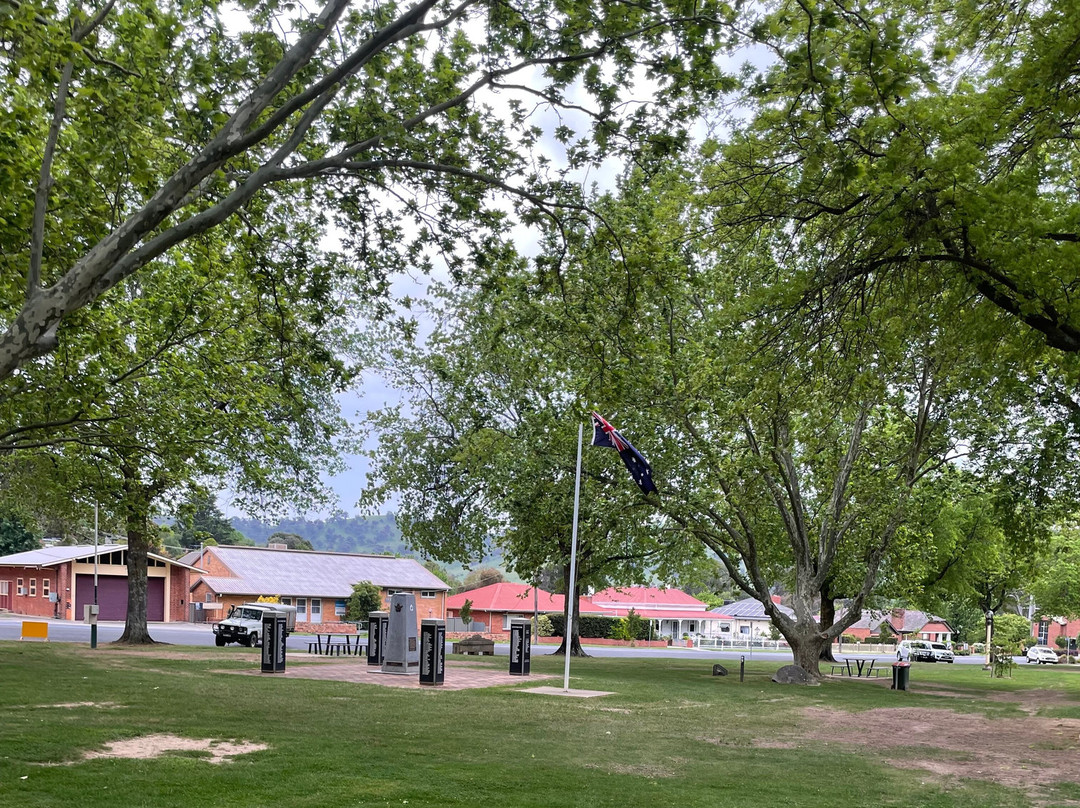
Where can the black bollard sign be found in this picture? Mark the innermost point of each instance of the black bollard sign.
(376, 632)
(520, 647)
(432, 652)
(273, 642)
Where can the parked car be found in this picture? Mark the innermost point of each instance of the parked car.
(1041, 654)
(245, 622)
(941, 652)
(918, 650)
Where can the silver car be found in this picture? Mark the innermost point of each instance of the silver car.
(941, 652)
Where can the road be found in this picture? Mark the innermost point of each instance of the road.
(195, 634)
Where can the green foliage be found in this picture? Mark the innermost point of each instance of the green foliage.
(630, 627)
(290, 540)
(465, 613)
(484, 576)
(200, 520)
(1001, 662)
(544, 627)
(1055, 588)
(590, 626)
(17, 531)
(339, 533)
(1010, 629)
(365, 598)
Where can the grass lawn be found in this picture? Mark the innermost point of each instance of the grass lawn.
(671, 735)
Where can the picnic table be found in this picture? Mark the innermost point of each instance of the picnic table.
(862, 669)
(337, 644)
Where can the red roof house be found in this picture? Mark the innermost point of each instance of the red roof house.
(494, 605)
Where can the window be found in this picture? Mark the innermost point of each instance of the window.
(316, 610)
(339, 608)
(508, 617)
(19, 590)
(428, 593)
(45, 582)
(209, 597)
(744, 629)
(33, 587)
(5, 587)
(1044, 632)
(301, 608)
(286, 601)
(725, 628)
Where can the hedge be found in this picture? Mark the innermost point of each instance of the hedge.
(594, 626)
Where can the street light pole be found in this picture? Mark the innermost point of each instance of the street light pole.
(93, 622)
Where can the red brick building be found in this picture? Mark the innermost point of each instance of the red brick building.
(58, 582)
(1047, 630)
(317, 583)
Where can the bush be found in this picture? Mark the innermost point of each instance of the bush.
(543, 626)
(590, 626)
(849, 638)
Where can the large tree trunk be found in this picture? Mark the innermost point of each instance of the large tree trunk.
(807, 645)
(573, 628)
(828, 617)
(137, 517)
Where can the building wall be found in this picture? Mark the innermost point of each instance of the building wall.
(176, 594)
(38, 604)
(1054, 629)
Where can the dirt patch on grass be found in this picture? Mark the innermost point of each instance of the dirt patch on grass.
(1012, 752)
(147, 747)
(71, 705)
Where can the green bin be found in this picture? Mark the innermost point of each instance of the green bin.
(901, 671)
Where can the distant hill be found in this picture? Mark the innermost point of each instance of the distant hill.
(343, 534)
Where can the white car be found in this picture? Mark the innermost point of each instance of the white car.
(1041, 654)
(941, 652)
(918, 651)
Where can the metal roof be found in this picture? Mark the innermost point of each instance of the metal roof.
(303, 573)
(749, 609)
(62, 554)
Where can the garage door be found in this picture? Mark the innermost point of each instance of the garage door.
(112, 597)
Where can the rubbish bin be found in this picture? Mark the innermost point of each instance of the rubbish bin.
(901, 671)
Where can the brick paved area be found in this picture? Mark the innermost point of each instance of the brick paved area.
(459, 675)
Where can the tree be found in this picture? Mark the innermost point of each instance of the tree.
(485, 576)
(220, 369)
(157, 123)
(290, 540)
(365, 598)
(442, 573)
(200, 518)
(465, 613)
(865, 126)
(1056, 587)
(16, 531)
(1010, 630)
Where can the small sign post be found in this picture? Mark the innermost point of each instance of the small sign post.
(273, 642)
(432, 651)
(520, 647)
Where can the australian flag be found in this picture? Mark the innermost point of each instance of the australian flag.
(604, 434)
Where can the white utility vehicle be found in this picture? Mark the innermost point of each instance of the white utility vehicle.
(244, 623)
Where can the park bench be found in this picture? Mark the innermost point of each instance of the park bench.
(474, 645)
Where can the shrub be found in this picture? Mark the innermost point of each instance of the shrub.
(848, 638)
(543, 626)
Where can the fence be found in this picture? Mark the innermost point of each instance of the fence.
(454, 625)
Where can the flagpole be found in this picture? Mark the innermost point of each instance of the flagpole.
(568, 631)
